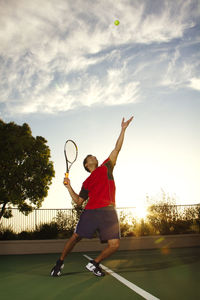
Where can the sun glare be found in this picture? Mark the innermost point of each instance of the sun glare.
(151, 179)
(141, 212)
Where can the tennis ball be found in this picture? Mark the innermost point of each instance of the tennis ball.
(116, 22)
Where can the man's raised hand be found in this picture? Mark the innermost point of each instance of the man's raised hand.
(125, 124)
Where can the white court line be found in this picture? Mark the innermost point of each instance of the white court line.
(129, 284)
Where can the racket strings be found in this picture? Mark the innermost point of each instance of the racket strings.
(70, 152)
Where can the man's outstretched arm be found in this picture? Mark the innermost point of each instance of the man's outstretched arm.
(114, 154)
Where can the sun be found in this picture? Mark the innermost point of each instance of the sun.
(141, 211)
(132, 213)
(150, 178)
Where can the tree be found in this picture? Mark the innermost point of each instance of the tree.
(25, 169)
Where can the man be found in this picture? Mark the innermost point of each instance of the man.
(99, 213)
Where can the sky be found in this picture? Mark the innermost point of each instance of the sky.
(69, 72)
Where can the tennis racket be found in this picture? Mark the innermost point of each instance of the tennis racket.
(71, 153)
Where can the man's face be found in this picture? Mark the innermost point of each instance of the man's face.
(92, 161)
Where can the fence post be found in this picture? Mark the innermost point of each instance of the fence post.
(35, 219)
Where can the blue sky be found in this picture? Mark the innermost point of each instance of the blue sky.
(69, 72)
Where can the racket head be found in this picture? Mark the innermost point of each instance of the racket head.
(71, 153)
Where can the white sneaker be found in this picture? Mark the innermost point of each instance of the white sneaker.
(93, 266)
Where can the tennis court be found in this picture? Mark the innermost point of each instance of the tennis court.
(173, 274)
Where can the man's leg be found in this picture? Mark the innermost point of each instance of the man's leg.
(93, 265)
(70, 245)
(112, 247)
(56, 271)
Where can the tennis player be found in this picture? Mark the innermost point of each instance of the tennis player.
(99, 213)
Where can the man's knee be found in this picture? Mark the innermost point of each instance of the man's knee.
(114, 244)
(76, 238)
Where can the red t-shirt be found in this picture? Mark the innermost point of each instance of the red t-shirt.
(99, 187)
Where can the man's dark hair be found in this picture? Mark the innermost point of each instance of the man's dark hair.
(85, 161)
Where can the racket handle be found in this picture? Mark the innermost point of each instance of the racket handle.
(66, 175)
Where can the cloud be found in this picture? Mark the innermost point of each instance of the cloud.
(86, 91)
(171, 78)
(69, 53)
(65, 27)
(179, 68)
(195, 83)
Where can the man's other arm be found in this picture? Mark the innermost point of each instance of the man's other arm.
(114, 154)
(75, 197)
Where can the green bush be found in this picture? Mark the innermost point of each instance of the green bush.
(7, 234)
(46, 231)
(66, 222)
(167, 219)
(127, 224)
(25, 235)
(143, 228)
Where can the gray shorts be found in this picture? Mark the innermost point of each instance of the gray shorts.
(104, 220)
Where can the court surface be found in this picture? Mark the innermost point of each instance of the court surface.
(171, 274)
